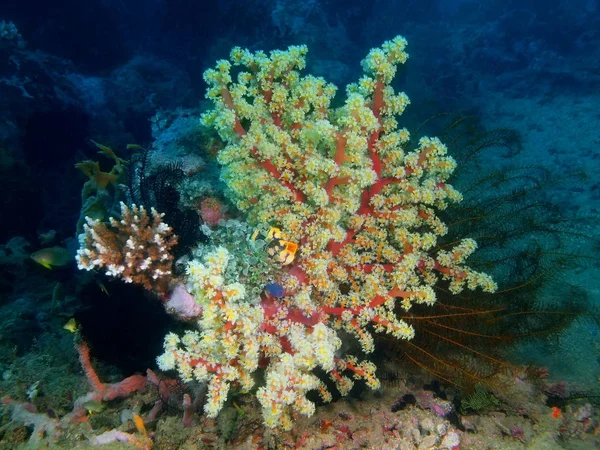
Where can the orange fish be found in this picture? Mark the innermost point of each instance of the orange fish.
(139, 424)
(556, 412)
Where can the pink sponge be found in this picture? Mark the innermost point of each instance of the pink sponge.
(182, 304)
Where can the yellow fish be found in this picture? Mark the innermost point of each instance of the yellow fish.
(279, 248)
(93, 406)
(139, 424)
(283, 251)
(71, 325)
(52, 257)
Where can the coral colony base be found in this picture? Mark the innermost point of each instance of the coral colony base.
(350, 211)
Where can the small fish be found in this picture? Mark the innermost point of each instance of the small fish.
(102, 287)
(283, 251)
(556, 412)
(287, 253)
(93, 406)
(139, 424)
(134, 147)
(279, 248)
(52, 257)
(71, 325)
(275, 289)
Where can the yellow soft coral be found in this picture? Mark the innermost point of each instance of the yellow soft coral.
(346, 186)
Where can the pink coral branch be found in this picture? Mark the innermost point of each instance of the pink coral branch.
(84, 359)
(101, 391)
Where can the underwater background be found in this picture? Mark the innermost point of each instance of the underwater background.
(103, 102)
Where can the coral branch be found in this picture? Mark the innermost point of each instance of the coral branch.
(352, 212)
(86, 364)
(136, 248)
